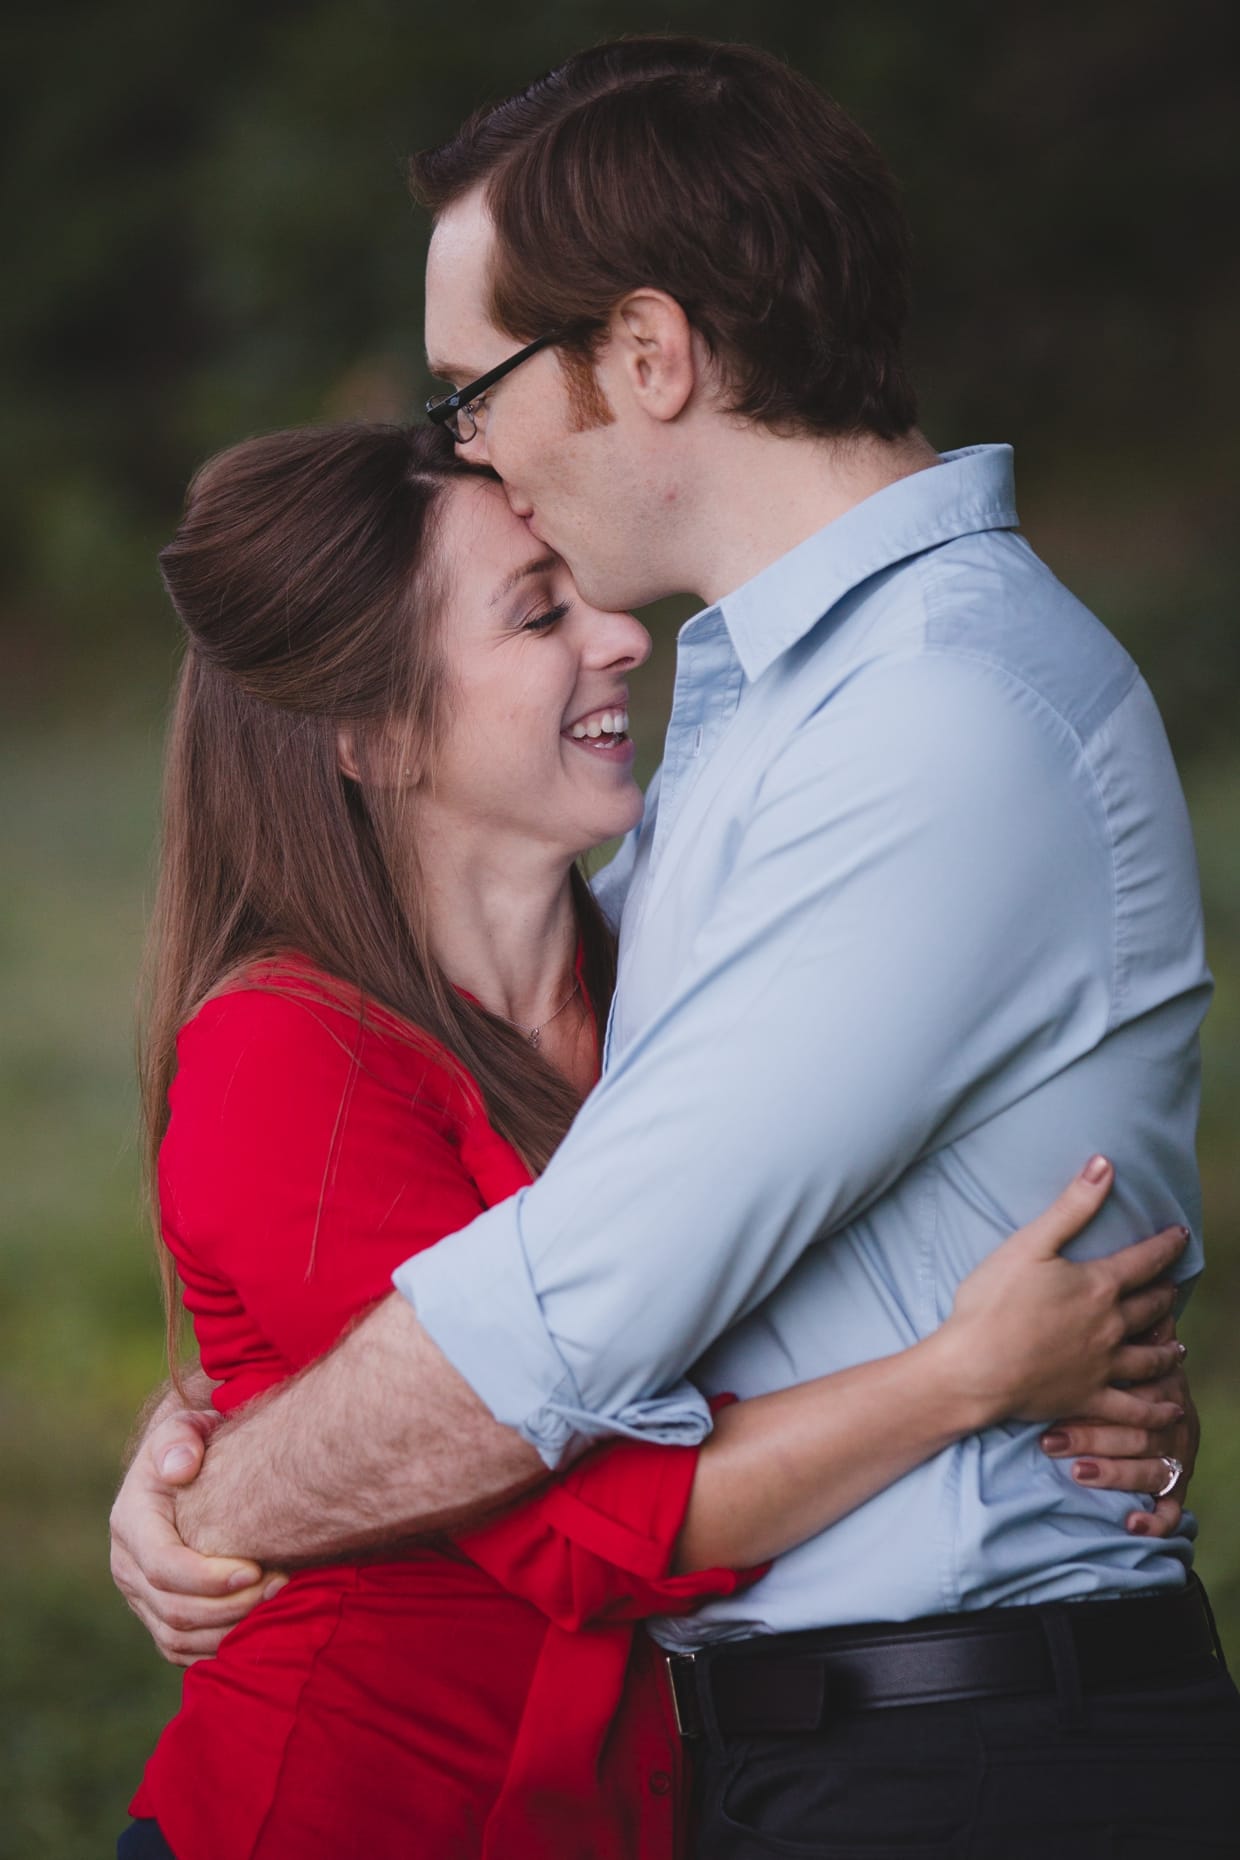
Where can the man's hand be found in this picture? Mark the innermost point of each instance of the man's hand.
(185, 1601)
(378, 1441)
(1130, 1459)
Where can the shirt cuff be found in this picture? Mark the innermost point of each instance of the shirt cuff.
(474, 1297)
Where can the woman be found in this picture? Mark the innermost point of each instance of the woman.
(379, 985)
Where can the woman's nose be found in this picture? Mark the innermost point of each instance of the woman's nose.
(621, 640)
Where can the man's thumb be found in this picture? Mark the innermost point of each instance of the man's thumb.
(177, 1447)
(179, 1463)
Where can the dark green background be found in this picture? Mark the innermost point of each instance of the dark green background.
(206, 234)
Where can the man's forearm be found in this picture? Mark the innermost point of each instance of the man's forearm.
(380, 1440)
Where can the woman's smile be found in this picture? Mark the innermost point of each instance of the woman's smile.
(604, 732)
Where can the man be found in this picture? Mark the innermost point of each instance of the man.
(913, 915)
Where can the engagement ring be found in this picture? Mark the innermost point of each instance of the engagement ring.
(1175, 1472)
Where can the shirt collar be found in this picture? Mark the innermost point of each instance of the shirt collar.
(967, 491)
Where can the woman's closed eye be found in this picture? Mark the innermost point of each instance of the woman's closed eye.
(544, 621)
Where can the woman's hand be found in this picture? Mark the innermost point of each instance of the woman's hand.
(1134, 1459)
(1033, 1334)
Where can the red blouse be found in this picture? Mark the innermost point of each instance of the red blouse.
(487, 1697)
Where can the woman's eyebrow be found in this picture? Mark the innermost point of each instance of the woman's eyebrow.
(538, 566)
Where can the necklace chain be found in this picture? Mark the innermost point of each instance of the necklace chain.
(533, 1035)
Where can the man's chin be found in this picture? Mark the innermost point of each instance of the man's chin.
(609, 588)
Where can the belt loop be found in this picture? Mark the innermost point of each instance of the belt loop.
(1065, 1666)
(705, 1692)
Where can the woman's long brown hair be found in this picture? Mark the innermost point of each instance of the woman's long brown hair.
(306, 577)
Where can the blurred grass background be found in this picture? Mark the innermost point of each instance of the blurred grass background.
(208, 236)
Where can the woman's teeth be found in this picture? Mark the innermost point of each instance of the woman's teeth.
(607, 723)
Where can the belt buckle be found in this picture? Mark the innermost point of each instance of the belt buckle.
(680, 1666)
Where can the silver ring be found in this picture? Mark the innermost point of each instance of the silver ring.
(1175, 1472)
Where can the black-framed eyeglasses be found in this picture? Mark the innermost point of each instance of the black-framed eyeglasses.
(458, 412)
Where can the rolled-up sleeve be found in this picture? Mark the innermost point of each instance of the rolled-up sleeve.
(502, 1345)
(919, 886)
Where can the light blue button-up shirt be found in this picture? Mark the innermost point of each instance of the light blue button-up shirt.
(910, 928)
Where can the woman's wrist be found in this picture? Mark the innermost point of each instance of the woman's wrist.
(961, 1397)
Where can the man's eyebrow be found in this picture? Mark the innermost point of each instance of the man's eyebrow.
(537, 566)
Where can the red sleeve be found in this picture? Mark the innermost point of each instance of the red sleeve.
(596, 1546)
(304, 1160)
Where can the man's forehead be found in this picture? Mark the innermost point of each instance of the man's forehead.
(457, 280)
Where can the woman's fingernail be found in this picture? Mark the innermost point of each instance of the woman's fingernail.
(1055, 1442)
(1086, 1470)
(1140, 1527)
(1095, 1168)
(1181, 1350)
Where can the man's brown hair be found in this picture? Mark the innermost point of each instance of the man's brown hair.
(721, 176)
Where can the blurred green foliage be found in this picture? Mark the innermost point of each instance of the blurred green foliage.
(207, 235)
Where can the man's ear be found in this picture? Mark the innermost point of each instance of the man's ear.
(652, 340)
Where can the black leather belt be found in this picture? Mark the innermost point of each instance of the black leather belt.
(785, 1683)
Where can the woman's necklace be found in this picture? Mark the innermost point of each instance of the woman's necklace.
(534, 1034)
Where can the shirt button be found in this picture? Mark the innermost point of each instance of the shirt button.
(660, 1782)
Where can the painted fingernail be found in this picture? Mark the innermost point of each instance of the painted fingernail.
(274, 1587)
(1055, 1442)
(1086, 1471)
(1181, 1350)
(1184, 1234)
(1095, 1168)
(1140, 1527)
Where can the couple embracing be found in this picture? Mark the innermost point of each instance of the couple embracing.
(692, 1492)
